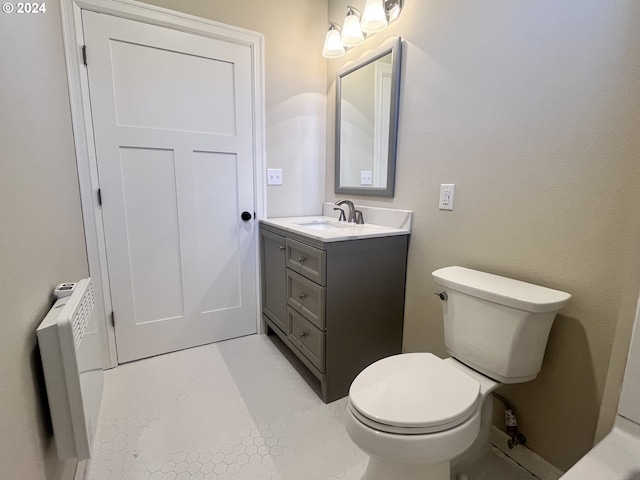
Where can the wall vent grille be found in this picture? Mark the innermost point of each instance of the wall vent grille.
(82, 316)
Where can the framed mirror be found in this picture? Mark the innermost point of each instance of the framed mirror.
(367, 104)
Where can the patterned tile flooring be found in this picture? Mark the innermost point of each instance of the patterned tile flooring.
(232, 410)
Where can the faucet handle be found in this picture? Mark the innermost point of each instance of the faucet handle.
(359, 217)
(342, 217)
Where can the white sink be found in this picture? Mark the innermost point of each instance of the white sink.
(324, 224)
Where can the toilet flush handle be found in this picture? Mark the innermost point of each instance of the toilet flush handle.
(443, 295)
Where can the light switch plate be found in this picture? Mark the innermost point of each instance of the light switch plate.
(274, 176)
(366, 177)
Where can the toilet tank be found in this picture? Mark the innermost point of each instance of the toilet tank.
(497, 325)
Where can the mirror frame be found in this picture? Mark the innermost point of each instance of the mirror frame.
(395, 49)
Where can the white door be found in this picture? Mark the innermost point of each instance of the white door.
(172, 119)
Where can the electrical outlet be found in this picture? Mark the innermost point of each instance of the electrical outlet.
(366, 177)
(446, 196)
(274, 176)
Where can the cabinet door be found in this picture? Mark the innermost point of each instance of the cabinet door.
(274, 279)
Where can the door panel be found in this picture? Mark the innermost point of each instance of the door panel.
(136, 67)
(216, 180)
(152, 213)
(173, 126)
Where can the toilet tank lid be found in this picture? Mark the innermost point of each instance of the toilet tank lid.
(501, 290)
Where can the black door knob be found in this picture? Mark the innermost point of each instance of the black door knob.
(246, 216)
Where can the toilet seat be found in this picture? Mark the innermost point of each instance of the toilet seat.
(413, 394)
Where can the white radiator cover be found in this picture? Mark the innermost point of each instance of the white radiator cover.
(69, 344)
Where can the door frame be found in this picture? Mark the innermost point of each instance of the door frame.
(82, 124)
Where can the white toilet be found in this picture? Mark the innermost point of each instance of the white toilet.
(414, 413)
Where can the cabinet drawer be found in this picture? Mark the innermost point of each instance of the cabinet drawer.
(307, 297)
(307, 338)
(307, 261)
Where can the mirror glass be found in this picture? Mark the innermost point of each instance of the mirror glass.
(366, 123)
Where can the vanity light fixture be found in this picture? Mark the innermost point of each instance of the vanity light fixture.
(333, 47)
(351, 32)
(392, 9)
(377, 15)
(374, 17)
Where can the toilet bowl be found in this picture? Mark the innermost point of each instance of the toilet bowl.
(414, 413)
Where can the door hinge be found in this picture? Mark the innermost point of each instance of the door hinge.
(84, 54)
(100, 196)
(113, 319)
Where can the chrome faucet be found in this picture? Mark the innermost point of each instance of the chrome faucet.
(352, 210)
(355, 216)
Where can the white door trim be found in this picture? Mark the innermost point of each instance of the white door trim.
(83, 131)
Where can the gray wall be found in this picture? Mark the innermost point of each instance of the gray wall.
(41, 237)
(533, 110)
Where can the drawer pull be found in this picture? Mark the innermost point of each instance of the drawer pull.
(301, 259)
(302, 334)
(302, 296)
(282, 247)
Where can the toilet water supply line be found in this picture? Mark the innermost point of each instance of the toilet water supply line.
(512, 425)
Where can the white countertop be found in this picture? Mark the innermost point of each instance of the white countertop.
(329, 229)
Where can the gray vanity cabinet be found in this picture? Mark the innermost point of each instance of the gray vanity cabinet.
(338, 305)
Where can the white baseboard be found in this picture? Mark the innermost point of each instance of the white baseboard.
(525, 457)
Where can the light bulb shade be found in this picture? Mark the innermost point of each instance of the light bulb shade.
(351, 32)
(333, 47)
(374, 18)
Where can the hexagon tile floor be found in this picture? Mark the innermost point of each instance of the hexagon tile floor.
(232, 410)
